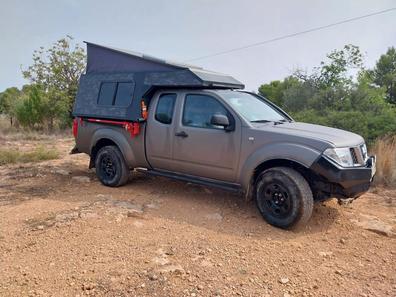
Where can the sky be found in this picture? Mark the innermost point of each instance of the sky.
(181, 30)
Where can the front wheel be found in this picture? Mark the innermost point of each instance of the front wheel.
(284, 197)
(111, 168)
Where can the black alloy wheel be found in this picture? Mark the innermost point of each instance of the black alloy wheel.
(284, 197)
(276, 200)
(111, 168)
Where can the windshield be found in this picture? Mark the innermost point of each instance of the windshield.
(252, 108)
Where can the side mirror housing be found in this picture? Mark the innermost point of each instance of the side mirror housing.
(220, 120)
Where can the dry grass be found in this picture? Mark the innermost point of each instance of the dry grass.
(11, 155)
(30, 136)
(13, 133)
(385, 149)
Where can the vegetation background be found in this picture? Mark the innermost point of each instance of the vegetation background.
(340, 92)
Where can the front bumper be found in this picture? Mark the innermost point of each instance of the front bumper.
(344, 182)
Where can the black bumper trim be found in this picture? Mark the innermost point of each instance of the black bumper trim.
(343, 182)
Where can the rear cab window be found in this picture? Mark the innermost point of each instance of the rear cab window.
(165, 108)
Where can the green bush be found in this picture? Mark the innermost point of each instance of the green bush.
(30, 111)
(328, 96)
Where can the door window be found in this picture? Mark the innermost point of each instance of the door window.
(199, 109)
(165, 107)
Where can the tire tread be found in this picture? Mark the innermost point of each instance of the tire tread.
(306, 207)
(124, 168)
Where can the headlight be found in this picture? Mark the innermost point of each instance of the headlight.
(341, 156)
(363, 148)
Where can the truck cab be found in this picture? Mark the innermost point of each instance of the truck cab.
(216, 134)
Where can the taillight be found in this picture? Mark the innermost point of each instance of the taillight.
(75, 127)
(132, 128)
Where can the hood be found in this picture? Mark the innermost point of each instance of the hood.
(335, 137)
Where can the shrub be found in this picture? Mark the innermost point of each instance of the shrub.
(30, 111)
(385, 150)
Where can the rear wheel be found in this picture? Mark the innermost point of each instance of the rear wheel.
(111, 168)
(284, 197)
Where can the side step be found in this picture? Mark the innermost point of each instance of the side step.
(192, 179)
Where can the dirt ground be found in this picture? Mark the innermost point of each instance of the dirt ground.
(64, 234)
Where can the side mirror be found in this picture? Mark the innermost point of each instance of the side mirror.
(220, 120)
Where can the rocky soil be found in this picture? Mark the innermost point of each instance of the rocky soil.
(64, 234)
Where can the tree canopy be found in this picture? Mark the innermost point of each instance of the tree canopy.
(384, 74)
(8, 99)
(341, 93)
(48, 101)
(58, 68)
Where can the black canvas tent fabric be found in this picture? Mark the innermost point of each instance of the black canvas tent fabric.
(105, 59)
(106, 64)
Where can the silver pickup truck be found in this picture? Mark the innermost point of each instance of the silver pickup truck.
(210, 132)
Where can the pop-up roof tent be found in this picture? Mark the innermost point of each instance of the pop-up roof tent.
(112, 73)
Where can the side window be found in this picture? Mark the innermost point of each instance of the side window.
(165, 107)
(199, 109)
(124, 94)
(106, 93)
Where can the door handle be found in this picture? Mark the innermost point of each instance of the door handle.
(181, 134)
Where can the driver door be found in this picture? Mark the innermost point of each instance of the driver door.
(200, 148)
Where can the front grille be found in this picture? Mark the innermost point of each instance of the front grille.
(354, 157)
(359, 155)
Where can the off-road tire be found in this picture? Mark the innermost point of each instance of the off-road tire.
(284, 185)
(111, 168)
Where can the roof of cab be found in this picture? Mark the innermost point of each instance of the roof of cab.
(104, 59)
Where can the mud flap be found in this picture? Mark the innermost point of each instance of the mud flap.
(91, 163)
(74, 151)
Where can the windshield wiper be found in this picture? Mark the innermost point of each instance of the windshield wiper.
(276, 122)
(261, 121)
(281, 122)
